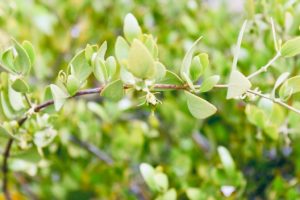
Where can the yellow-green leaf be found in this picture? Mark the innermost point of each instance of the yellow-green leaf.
(291, 47)
(140, 63)
(131, 27)
(238, 84)
(113, 91)
(199, 107)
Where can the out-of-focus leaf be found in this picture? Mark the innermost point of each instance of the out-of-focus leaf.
(226, 160)
(29, 50)
(291, 47)
(121, 49)
(290, 87)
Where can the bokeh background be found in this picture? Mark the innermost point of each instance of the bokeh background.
(185, 148)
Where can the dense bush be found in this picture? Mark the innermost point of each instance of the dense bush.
(152, 99)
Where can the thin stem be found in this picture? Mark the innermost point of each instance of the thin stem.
(265, 67)
(27, 100)
(275, 100)
(5, 169)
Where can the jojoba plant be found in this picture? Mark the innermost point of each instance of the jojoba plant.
(134, 70)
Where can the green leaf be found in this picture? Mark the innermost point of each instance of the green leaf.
(151, 45)
(238, 85)
(20, 85)
(73, 84)
(148, 172)
(226, 160)
(161, 181)
(160, 71)
(279, 81)
(171, 78)
(22, 61)
(113, 91)
(80, 67)
(121, 50)
(290, 87)
(29, 50)
(6, 108)
(140, 63)
(209, 83)
(187, 60)
(7, 59)
(168, 195)
(131, 28)
(291, 47)
(198, 66)
(59, 96)
(111, 66)
(44, 137)
(271, 131)
(16, 99)
(199, 107)
(127, 77)
(100, 70)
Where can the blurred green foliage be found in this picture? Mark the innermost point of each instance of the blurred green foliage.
(232, 155)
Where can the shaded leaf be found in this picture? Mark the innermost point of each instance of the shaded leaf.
(59, 96)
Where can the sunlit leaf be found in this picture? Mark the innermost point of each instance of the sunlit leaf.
(199, 107)
(113, 91)
(290, 87)
(238, 85)
(131, 27)
(140, 62)
(226, 159)
(209, 83)
(291, 47)
(59, 96)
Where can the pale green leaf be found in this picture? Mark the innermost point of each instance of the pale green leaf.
(209, 83)
(113, 91)
(140, 63)
(44, 137)
(16, 99)
(187, 60)
(80, 67)
(290, 87)
(22, 61)
(199, 107)
(238, 85)
(73, 84)
(291, 47)
(131, 27)
(161, 181)
(148, 172)
(121, 49)
(171, 78)
(226, 160)
(29, 50)
(20, 85)
(160, 71)
(279, 81)
(59, 96)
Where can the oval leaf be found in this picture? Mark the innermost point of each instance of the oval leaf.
(140, 62)
(199, 107)
(113, 91)
(131, 27)
(238, 85)
(291, 47)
